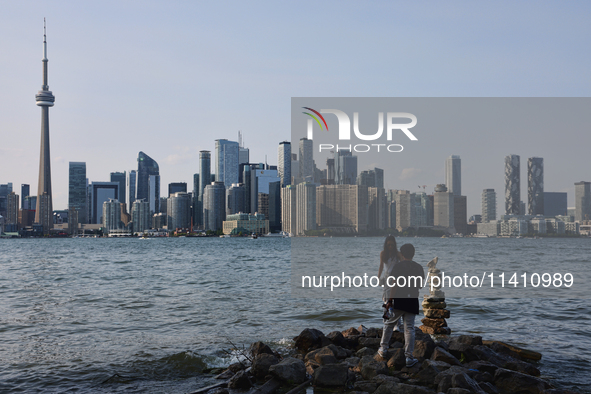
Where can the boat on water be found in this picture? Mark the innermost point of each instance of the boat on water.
(281, 234)
(253, 236)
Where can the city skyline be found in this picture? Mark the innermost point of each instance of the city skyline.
(124, 111)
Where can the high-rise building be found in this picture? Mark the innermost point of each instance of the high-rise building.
(111, 215)
(121, 179)
(453, 175)
(259, 183)
(45, 99)
(226, 162)
(148, 181)
(101, 192)
(345, 168)
(235, 199)
(284, 162)
(25, 191)
(179, 211)
(140, 216)
(489, 205)
(305, 207)
(77, 188)
(288, 209)
(443, 207)
(330, 174)
(376, 208)
(460, 214)
(342, 206)
(275, 206)
(512, 186)
(214, 206)
(554, 204)
(12, 208)
(131, 187)
(177, 187)
(306, 159)
(404, 210)
(582, 201)
(535, 186)
(73, 221)
(243, 153)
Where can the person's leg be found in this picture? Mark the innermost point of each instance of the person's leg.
(409, 334)
(400, 326)
(388, 328)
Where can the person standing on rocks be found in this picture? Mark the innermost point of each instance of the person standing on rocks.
(403, 299)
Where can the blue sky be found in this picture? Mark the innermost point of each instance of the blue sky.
(169, 78)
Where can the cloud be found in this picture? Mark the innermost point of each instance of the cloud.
(409, 173)
(182, 156)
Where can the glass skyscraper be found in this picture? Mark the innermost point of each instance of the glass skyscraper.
(77, 190)
(121, 179)
(226, 162)
(284, 162)
(535, 186)
(512, 186)
(453, 175)
(148, 181)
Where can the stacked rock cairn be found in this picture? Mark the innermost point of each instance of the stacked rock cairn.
(434, 304)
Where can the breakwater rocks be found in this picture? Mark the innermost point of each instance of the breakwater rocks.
(348, 361)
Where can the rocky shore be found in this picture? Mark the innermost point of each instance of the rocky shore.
(348, 361)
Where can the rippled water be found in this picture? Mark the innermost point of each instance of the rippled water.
(136, 315)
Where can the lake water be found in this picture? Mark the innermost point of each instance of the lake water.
(133, 315)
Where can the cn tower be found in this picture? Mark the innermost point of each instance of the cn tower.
(45, 99)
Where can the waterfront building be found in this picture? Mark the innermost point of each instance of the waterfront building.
(489, 205)
(31, 204)
(148, 181)
(345, 167)
(5, 190)
(101, 192)
(491, 228)
(177, 187)
(275, 206)
(263, 204)
(235, 199)
(259, 183)
(460, 214)
(12, 208)
(226, 164)
(453, 175)
(25, 191)
(535, 185)
(159, 221)
(131, 187)
(140, 216)
(44, 99)
(555, 226)
(111, 215)
(77, 189)
(284, 162)
(330, 171)
(404, 209)
(512, 186)
(204, 180)
(582, 201)
(295, 169)
(121, 179)
(73, 221)
(554, 204)
(443, 207)
(376, 201)
(245, 223)
(342, 207)
(26, 217)
(214, 206)
(306, 159)
(179, 211)
(288, 209)
(305, 207)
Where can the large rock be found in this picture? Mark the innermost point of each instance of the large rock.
(338, 338)
(435, 330)
(429, 369)
(373, 343)
(435, 323)
(351, 362)
(365, 386)
(483, 366)
(325, 356)
(437, 313)
(261, 364)
(310, 338)
(350, 331)
(369, 367)
(513, 382)
(443, 379)
(440, 354)
(290, 370)
(488, 388)
(365, 352)
(373, 332)
(397, 360)
(340, 352)
(401, 388)
(259, 348)
(240, 381)
(331, 375)
(423, 349)
(463, 381)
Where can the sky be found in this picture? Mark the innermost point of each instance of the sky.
(168, 78)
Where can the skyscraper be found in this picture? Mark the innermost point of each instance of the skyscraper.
(235, 199)
(111, 215)
(489, 205)
(582, 201)
(140, 216)
(535, 186)
(284, 162)
(77, 190)
(121, 179)
(306, 160)
(25, 191)
(443, 207)
(176, 187)
(214, 206)
(179, 211)
(45, 99)
(226, 162)
(131, 186)
(148, 181)
(305, 207)
(554, 204)
(204, 180)
(345, 168)
(453, 175)
(99, 193)
(512, 186)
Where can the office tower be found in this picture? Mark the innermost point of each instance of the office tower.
(404, 209)
(422, 210)
(140, 216)
(73, 221)
(25, 190)
(243, 153)
(460, 214)
(226, 162)
(111, 215)
(235, 199)
(30, 204)
(148, 181)
(204, 180)
(343, 207)
(306, 159)
(101, 192)
(582, 201)
(554, 204)
(77, 190)
(288, 209)
(214, 206)
(45, 99)
(177, 187)
(284, 162)
(345, 168)
(512, 186)
(305, 207)
(275, 206)
(121, 179)
(259, 183)
(330, 175)
(535, 185)
(443, 207)
(131, 187)
(489, 205)
(453, 175)
(371, 178)
(5, 190)
(12, 201)
(179, 211)
(376, 208)
(263, 204)
(163, 205)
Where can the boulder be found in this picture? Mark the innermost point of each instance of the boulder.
(463, 381)
(365, 352)
(473, 340)
(310, 338)
(435, 330)
(443, 379)
(513, 382)
(373, 333)
(381, 379)
(235, 367)
(369, 367)
(429, 369)
(350, 331)
(365, 385)
(423, 349)
(397, 360)
(325, 356)
(523, 367)
(340, 352)
(483, 366)
(373, 343)
(311, 366)
(290, 370)
(331, 375)
(351, 362)
(261, 364)
(337, 338)
(434, 323)
(240, 381)
(259, 348)
(440, 354)
(488, 388)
